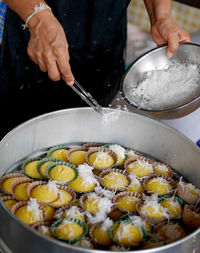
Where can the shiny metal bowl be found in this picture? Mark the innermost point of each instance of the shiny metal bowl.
(85, 125)
(156, 59)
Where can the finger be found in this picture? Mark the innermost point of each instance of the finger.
(53, 71)
(41, 63)
(65, 68)
(184, 37)
(173, 44)
(157, 37)
(31, 55)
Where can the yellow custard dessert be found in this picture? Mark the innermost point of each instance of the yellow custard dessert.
(62, 173)
(20, 191)
(127, 234)
(65, 197)
(80, 185)
(127, 203)
(192, 190)
(120, 152)
(77, 157)
(91, 204)
(153, 210)
(60, 154)
(102, 236)
(158, 185)
(44, 194)
(49, 212)
(9, 203)
(5, 186)
(31, 171)
(68, 230)
(114, 181)
(173, 207)
(42, 168)
(101, 160)
(28, 216)
(140, 168)
(135, 185)
(162, 169)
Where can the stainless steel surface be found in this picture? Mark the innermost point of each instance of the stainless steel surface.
(157, 59)
(84, 125)
(86, 96)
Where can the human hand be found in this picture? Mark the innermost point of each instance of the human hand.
(166, 30)
(48, 46)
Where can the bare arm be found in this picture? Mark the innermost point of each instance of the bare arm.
(48, 45)
(163, 27)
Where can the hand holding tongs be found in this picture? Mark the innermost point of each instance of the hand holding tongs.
(86, 97)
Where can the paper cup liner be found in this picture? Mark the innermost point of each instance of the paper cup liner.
(28, 161)
(184, 194)
(135, 159)
(150, 220)
(5, 198)
(65, 188)
(123, 172)
(71, 150)
(166, 231)
(79, 222)
(101, 149)
(41, 162)
(73, 167)
(129, 222)
(33, 185)
(190, 217)
(170, 171)
(126, 193)
(18, 181)
(91, 145)
(113, 216)
(52, 149)
(7, 176)
(167, 178)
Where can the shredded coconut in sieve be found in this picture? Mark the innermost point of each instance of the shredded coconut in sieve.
(167, 88)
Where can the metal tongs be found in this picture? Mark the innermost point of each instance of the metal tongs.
(86, 97)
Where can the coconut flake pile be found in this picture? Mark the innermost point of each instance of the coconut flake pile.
(118, 150)
(104, 207)
(85, 172)
(166, 88)
(109, 116)
(106, 193)
(34, 207)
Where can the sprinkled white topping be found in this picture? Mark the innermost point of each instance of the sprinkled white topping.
(131, 153)
(101, 157)
(118, 150)
(44, 229)
(162, 167)
(85, 172)
(104, 207)
(72, 211)
(166, 88)
(134, 180)
(52, 186)
(84, 243)
(110, 116)
(107, 224)
(34, 207)
(108, 194)
(188, 185)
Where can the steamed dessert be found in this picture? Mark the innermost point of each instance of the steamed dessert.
(105, 197)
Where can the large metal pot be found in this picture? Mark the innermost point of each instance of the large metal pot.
(84, 125)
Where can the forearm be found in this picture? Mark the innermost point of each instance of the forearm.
(158, 9)
(24, 7)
